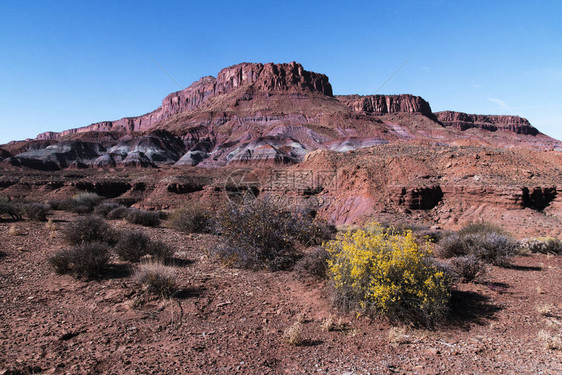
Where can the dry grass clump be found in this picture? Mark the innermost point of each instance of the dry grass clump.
(546, 309)
(550, 341)
(50, 225)
(485, 241)
(543, 245)
(397, 336)
(88, 260)
(293, 335)
(144, 218)
(14, 231)
(89, 229)
(156, 278)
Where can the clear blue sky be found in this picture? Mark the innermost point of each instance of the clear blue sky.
(66, 64)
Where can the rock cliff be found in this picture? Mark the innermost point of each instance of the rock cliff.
(464, 121)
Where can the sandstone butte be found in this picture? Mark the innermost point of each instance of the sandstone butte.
(386, 157)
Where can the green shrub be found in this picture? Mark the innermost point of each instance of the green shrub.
(192, 220)
(156, 278)
(88, 260)
(389, 274)
(144, 218)
(314, 263)
(89, 229)
(257, 235)
(468, 268)
(118, 213)
(544, 245)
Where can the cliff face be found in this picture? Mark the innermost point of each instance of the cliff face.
(387, 104)
(256, 77)
(464, 121)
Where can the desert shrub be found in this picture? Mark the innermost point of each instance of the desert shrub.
(89, 229)
(10, 210)
(118, 213)
(87, 199)
(156, 278)
(544, 245)
(468, 268)
(490, 247)
(481, 228)
(87, 260)
(132, 246)
(103, 209)
(144, 218)
(388, 274)
(256, 235)
(160, 251)
(314, 263)
(63, 204)
(192, 220)
(34, 211)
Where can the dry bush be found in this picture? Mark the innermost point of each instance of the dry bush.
(132, 246)
(34, 211)
(9, 209)
(328, 324)
(156, 278)
(144, 218)
(256, 236)
(103, 209)
(544, 245)
(468, 268)
(87, 199)
(89, 229)
(486, 242)
(160, 251)
(88, 260)
(118, 213)
(314, 263)
(293, 335)
(50, 225)
(546, 309)
(192, 219)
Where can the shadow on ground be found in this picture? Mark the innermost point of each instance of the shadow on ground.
(471, 308)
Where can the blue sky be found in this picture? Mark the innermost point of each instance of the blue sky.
(66, 64)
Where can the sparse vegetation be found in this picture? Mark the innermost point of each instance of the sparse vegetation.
(192, 219)
(550, 341)
(34, 211)
(132, 246)
(87, 199)
(10, 210)
(103, 209)
(293, 335)
(389, 274)
(89, 229)
(468, 268)
(544, 245)
(256, 235)
(88, 260)
(14, 231)
(144, 218)
(484, 241)
(156, 278)
(314, 263)
(118, 213)
(398, 336)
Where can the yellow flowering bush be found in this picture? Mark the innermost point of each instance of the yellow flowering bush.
(382, 272)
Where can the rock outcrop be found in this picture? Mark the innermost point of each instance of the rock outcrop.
(387, 104)
(464, 121)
